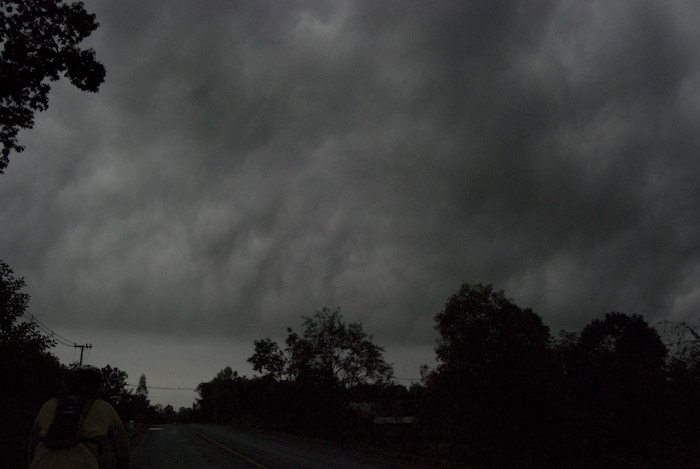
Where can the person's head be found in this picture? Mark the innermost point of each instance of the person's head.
(86, 381)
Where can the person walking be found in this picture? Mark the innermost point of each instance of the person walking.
(69, 431)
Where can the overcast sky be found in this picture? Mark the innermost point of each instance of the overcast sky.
(246, 163)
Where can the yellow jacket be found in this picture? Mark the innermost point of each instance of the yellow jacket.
(101, 424)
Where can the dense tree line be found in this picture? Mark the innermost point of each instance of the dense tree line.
(305, 386)
(505, 392)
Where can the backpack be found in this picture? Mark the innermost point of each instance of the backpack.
(64, 431)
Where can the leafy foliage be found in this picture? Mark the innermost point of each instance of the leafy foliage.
(479, 325)
(30, 374)
(39, 41)
(22, 336)
(305, 387)
(114, 386)
(495, 370)
(142, 387)
(329, 350)
(268, 358)
(614, 384)
(219, 400)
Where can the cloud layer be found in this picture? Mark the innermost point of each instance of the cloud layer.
(246, 163)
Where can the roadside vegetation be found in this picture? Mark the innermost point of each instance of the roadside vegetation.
(505, 392)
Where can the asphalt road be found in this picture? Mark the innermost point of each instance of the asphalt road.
(211, 446)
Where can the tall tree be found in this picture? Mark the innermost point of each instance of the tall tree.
(321, 366)
(268, 358)
(136, 406)
(142, 388)
(494, 369)
(219, 399)
(683, 407)
(617, 374)
(480, 326)
(114, 385)
(329, 350)
(39, 42)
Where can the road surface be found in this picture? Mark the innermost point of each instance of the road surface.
(211, 446)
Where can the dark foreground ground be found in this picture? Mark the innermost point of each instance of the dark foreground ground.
(213, 446)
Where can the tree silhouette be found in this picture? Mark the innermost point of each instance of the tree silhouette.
(114, 385)
(268, 359)
(503, 394)
(219, 399)
(30, 374)
(494, 374)
(329, 351)
(309, 382)
(136, 405)
(616, 373)
(23, 336)
(142, 388)
(40, 41)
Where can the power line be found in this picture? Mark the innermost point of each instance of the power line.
(54, 335)
(163, 388)
(59, 338)
(69, 343)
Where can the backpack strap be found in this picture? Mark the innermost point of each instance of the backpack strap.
(85, 408)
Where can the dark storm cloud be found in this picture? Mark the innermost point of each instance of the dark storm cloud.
(246, 163)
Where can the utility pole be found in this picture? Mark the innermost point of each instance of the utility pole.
(82, 348)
